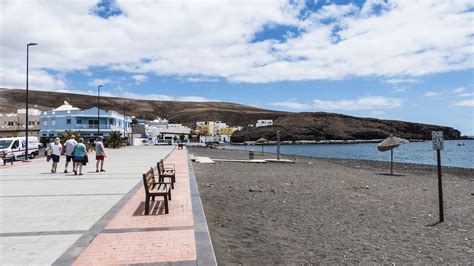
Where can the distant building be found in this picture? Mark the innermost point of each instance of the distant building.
(226, 133)
(67, 117)
(13, 124)
(264, 123)
(210, 128)
(160, 130)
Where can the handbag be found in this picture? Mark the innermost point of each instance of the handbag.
(49, 154)
(85, 160)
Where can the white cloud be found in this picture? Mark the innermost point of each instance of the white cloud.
(459, 90)
(38, 80)
(214, 38)
(139, 78)
(467, 94)
(195, 99)
(398, 90)
(97, 82)
(364, 103)
(398, 81)
(432, 94)
(466, 103)
(292, 105)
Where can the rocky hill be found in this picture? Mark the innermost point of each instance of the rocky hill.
(330, 126)
(293, 126)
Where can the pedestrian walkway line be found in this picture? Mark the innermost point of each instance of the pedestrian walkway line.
(62, 195)
(44, 233)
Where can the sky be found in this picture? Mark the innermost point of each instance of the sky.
(395, 59)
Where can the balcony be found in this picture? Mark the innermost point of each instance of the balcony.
(87, 126)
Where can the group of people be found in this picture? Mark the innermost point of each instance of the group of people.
(76, 151)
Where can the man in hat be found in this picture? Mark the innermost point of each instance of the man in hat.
(70, 144)
(99, 154)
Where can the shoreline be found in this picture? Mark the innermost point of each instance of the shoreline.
(417, 165)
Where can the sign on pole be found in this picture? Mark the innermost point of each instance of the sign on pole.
(437, 137)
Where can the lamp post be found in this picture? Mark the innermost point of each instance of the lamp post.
(98, 109)
(124, 117)
(26, 113)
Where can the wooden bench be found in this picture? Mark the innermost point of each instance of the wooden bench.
(166, 171)
(7, 158)
(153, 188)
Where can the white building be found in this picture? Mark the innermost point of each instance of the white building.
(264, 123)
(160, 130)
(67, 117)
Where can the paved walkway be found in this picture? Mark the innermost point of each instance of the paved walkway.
(42, 214)
(107, 227)
(134, 238)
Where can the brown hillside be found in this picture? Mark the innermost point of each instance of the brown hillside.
(293, 126)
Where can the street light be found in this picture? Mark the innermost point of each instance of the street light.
(124, 122)
(26, 114)
(98, 109)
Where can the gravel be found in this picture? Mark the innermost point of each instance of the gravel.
(334, 211)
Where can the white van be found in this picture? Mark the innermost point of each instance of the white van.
(15, 147)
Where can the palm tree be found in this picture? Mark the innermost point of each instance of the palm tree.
(115, 139)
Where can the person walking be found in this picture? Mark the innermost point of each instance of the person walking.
(99, 154)
(56, 150)
(70, 145)
(80, 155)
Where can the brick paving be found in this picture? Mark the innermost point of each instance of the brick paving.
(132, 237)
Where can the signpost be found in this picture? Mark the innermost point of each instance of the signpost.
(438, 145)
(278, 145)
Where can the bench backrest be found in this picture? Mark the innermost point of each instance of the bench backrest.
(148, 179)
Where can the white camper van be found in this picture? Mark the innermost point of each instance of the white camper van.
(15, 147)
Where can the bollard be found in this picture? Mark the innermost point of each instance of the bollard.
(251, 155)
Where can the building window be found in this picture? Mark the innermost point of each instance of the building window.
(79, 121)
(45, 123)
(51, 135)
(53, 122)
(31, 123)
(10, 123)
(111, 121)
(68, 121)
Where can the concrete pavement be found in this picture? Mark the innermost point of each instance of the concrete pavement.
(42, 214)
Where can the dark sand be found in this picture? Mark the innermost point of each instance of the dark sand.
(334, 211)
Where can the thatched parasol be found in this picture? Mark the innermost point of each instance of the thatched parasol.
(391, 143)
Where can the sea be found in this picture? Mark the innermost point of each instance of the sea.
(413, 152)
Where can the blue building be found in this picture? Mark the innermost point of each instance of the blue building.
(67, 117)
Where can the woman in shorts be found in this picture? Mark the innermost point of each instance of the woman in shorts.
(56, 150)
(80, 152)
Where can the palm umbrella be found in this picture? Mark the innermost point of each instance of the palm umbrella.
(262, 141)
(391, 143)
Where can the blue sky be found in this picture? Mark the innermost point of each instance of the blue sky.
(384, 59)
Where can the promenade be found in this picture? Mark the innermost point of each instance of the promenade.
(97, 218)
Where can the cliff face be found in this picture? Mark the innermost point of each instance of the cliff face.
(327, 126)
(293, 126)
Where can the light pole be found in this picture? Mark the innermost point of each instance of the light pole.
(26, 114)
(98, 109)
(124, 117)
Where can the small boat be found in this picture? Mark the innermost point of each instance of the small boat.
(460, 144)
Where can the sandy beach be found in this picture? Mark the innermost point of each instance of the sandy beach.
(334, 211)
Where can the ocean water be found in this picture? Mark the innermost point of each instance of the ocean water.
(413, 152)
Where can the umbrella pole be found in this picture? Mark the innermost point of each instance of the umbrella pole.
(391, 161)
